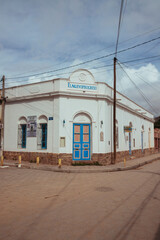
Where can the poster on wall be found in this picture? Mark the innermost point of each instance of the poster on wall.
(31, 126)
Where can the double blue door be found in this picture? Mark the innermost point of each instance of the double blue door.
(81, 141)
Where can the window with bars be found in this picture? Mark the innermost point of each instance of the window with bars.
(42, 136)
(22, 135)
(117, 137)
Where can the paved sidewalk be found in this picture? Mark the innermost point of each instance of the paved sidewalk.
(130, 164)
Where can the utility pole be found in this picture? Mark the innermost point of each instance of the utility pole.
(114, 114)
(2, 114)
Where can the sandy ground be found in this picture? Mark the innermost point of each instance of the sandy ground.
(76, 206)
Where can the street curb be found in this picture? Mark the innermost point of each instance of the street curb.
(116, 169)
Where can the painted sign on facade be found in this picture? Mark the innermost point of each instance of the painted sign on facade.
(31, 126)
(82, 87)
(127, 129)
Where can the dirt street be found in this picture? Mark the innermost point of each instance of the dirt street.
(46, 205)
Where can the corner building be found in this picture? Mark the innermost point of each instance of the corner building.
(72, 119)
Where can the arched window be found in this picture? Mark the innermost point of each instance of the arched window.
(22, 132)
(42, 132)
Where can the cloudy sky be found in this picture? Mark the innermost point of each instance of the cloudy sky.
(43, 36)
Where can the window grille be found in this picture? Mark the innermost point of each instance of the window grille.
(22, 133)
(42, 136)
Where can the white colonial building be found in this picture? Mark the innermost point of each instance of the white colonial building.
(72, 119)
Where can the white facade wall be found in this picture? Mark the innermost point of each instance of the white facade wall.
(68, 105)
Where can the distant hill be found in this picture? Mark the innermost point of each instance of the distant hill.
(157, 122)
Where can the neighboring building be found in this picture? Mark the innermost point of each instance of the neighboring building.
(157, 139)
(72, 119)
(157, 122)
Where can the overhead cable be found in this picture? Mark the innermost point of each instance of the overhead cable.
(119, 26)
(88, 61)
(139, 90)
(94, 68)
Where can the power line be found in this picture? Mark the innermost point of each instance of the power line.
(119, 26)
(124, 11)
(144, 61)
(141, 78)
(122, 42)
(119, 83)
(141, 59)
(10, 84)
(88, 61)
(90, 53)
(139, 90)
(99, 67)
(102, 49)
(128, 61)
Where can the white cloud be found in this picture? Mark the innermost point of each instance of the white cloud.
(40, 35)
(143, 87)
(140, 76)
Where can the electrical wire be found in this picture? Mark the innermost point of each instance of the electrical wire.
(90, 53)
(99, 67)
(145, 61)
(88, 61)
(128, 61)
(119, 27)
(124, 11)
(152, 47)
(143, 96)
(139, 90)
(141, 78)
(119, 82)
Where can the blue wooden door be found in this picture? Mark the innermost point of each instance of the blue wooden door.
(81, 141)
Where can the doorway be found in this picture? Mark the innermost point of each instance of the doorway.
(81, 141)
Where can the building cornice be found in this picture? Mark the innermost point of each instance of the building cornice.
(77, 95)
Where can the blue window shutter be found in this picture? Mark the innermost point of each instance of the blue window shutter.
(24, 135)
(44, 135)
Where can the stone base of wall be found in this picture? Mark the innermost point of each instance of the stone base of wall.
(107, 158)
(52, 158)
(45, 158)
